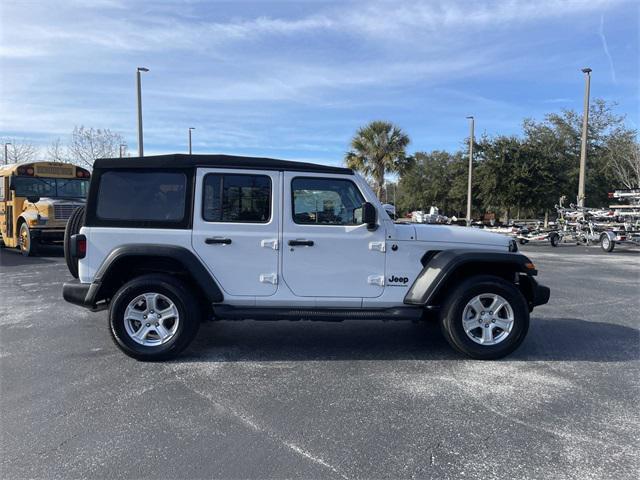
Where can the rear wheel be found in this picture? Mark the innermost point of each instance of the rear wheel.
(554, 238)
(26, 243)
(154, 317)
(485, 318)
(74, 224)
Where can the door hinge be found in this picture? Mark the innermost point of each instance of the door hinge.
(381, 246)
(376, 280)
(271, 278)
(269, 243)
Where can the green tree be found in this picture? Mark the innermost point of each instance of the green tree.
(377, 149)
(559, 136)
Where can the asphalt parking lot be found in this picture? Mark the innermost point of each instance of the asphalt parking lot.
(326, 400)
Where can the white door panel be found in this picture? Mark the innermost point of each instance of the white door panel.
(342, 261)
(241, 254)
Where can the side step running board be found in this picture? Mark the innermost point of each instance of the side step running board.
(228, 312)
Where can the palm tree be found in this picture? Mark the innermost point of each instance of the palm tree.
(378, 148)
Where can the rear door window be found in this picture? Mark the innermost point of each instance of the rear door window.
(236, 198)
(142, 196)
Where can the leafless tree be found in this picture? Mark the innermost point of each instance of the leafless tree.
(19, 151)
(56, 152)
(87, 144)
(626, 165)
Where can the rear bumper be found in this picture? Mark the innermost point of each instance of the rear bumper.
(82, 294)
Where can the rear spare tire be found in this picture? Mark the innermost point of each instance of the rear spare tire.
(74, 224)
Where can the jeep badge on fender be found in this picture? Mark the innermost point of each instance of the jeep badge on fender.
(156, 249)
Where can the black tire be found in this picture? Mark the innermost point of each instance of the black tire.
(171, 288)
(554, 238)
(523, 241)
(454, 307)
(26, 243)
(74, 224)
(606, 243)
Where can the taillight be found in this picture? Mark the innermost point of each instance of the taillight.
(78, 246)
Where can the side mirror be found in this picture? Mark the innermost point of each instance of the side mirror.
(33, 199)
(369, 215)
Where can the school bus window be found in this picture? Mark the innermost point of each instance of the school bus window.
(49, 187)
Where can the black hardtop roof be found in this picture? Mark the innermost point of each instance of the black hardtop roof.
(178, 160)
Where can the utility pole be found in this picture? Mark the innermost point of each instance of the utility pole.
(471, 135)
(6, 153)
(122, 145)
(140, 141)
(583, 147)
(190, 129)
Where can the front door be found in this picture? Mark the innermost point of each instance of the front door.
(236, 228)
(326, 252)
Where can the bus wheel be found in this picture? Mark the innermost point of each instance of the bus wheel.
(25, 241)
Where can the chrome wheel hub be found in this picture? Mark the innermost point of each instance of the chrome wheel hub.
(487, 319)
(151, 319)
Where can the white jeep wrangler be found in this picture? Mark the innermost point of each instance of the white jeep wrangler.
(167, 241)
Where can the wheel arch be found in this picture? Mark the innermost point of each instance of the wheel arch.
(446, 269)
(129, 261)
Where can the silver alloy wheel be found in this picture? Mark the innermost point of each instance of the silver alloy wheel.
(605, 242)
(151, 319)
(487, 319)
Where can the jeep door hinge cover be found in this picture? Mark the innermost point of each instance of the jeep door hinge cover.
(269, 243)
(271, 278)
(380, 246)
(376, 280)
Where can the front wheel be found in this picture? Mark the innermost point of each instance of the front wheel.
(154, 317)
(554, 238)
(486, 317)
(26, 243)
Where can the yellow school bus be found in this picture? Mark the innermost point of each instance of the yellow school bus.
(36, 200)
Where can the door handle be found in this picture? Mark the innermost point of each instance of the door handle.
(299, 243)
(217, 240)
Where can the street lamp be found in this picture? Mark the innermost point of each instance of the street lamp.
(471, 136)
(122, 145)
(190, 129)
(140, 142)
(583, 147)
(6, 154)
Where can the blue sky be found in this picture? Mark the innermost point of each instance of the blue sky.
(295, 79)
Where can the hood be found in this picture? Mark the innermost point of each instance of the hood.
(458, 235)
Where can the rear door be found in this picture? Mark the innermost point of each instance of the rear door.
(236, 226)
(326, 251)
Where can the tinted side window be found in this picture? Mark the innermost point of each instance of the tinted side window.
(325, 201)
(236, 198)
(143, 196)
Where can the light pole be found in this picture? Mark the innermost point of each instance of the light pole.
(190, 129)
(140, 142)
(472, 126)
(583, 147)
(6, 154)
(122, 145)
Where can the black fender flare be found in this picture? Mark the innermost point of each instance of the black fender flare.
(185, 257)
(444, 264)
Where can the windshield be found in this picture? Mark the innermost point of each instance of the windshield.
(50, 187)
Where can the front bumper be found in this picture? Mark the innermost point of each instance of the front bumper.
(541, 294)
(47, 235)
